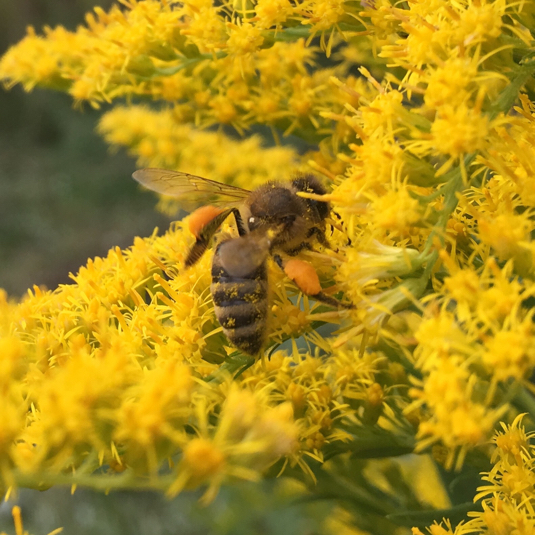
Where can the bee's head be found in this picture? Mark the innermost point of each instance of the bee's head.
(274, 207)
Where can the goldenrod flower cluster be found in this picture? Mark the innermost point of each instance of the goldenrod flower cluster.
(507, 499)
(420, 116)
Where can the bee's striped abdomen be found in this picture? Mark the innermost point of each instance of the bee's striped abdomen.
(241, 306)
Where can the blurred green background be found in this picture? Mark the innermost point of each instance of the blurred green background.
(246, 509)
(64, 197)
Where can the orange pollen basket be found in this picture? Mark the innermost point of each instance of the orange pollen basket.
(201, 217)
(304, 275)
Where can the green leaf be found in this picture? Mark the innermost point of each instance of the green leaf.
(423, 519)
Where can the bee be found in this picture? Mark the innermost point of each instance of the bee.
(272, 221)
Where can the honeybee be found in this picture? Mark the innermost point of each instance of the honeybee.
(272, 220)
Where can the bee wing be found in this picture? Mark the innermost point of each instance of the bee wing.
(190, 188)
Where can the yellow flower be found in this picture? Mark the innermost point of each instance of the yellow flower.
(151, 418)
(203, 460)
(459, 130)
(272, 12)
(382, 113)
(511, 353)
(397, 212)
(480, 21)
(450, 83)
(509, 499)
(324, 14)
(249, 436)
(378, 261)
(125, 376)
(243, 39)
(455, 419)
(205, 28)
(507, 233)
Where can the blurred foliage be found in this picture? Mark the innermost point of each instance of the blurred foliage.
(238, 510)
(64, 197)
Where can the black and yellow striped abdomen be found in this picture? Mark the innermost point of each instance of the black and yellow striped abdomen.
(241, 305)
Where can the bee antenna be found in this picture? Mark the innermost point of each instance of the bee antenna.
(272, 350)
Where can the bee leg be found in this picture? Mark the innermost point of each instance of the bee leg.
(332, 301)
(297, 250)
(242, 229)
(320, 236)
(305, 277)
(272, 350)
(203, 224)
(279, 261)
(340, 226)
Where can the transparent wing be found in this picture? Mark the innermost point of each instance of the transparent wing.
(190, 188)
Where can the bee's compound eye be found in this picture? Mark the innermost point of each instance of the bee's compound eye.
(252, 220)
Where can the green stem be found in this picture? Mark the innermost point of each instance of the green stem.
(374, 446)
(125, 481)
(190, 62)
(524, 400)
(508, 96)
(330, 485)
(304, 31)
(424, 519)
(344, 490)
